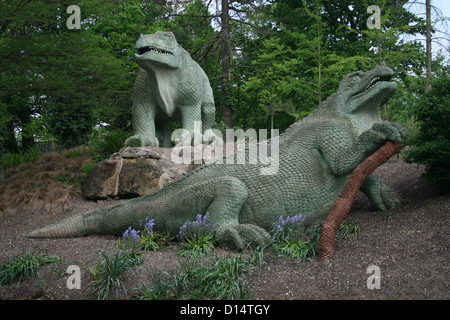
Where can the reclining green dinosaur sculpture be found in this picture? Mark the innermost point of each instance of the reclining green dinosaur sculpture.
(317, 156)
(169, 86)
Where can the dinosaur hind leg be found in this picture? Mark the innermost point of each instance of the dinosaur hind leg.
(230, 195)
(208, 115)
(221, 197)
(381, 196)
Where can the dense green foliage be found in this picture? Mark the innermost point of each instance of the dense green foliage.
(431, 146)
(69, 85)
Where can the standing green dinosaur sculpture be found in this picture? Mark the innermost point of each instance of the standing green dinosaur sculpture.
(317, 156)
(169, 86)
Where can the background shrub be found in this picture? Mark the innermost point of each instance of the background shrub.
(104, 142)
(431, 146)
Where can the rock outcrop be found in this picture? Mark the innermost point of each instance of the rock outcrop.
(137, 171)
(133, 172)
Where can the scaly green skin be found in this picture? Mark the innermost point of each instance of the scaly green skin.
(317, 156)
(169, 86)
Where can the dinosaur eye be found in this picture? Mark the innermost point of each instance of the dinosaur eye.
(354, 79)
(167, 39)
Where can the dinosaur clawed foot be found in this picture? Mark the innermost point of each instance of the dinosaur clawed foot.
(391, 199)
(389, 131)
(243, 235)
(388, 199)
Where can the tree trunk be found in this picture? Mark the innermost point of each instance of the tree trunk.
(319, 84)
(380, 59)
(272, 112)
(227, 114)
(428, 45)
(10, 142)
(27, 136)
(2, 172)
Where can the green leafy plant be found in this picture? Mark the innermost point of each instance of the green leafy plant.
(162, 286)
(131, 246)
(291, 239)
(348, 230)
(144, 239)
(77, 152)
(152, 240)
(227, 277)
(74, 154)
(198, 237)
(135, 142)
(108, 270)
(69, 119)
(105, 142)
(32, 154)
(431, 146)
(221, 277)
(62, 179)
(25, 266)
(14, 159)
(87, 168)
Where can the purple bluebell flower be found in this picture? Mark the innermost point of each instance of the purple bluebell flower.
(289, 226)
(147, 224)
(196, 228)
(131, 234)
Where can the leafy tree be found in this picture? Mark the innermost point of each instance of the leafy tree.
(275, 89)
(432, 144)
(345, 43)
(43, 60)
(269, 61)
(69, 121)
(235, 20)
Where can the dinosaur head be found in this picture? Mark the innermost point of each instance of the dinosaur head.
(360, 95)
(158, 49)
(366, 89)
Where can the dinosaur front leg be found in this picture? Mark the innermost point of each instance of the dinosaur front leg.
(143, 113)
(143, 117)
(343, 153)
(380, 196)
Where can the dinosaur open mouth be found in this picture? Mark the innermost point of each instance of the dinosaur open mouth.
(152, 49)
(374, 82)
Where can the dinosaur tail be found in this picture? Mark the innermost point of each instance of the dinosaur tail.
(88, 223)
(159, 206)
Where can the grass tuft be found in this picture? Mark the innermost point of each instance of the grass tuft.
(25, 266)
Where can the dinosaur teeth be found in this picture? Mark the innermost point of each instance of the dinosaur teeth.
(152, 49)
(371, 84)
(157, 50)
